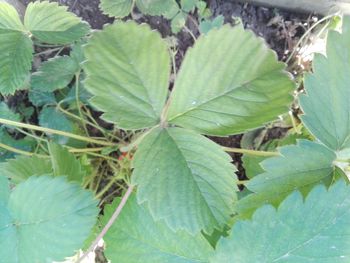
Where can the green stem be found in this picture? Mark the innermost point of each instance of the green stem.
(107, 187)
(250, 152)
(109, 223)
(48, 130)
(15, 150)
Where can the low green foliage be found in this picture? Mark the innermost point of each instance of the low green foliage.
(182, 200)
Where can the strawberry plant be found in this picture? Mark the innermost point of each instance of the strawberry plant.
(180, 200)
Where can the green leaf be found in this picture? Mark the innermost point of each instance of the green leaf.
(4, 190)
(229, 82)
(186, 179)
(312, 231)
(136, 232)
(53, 24)
(25, 144)
(41, 98)
(56, 73)
(299, 167)
(206, 25)
(327, 103)
(6, 113)
(188, 5)
(178, 22)
(45, 219)
(51, 118)
(251, 164)
(9, 18)
(116, 8)
(65, 163)
(23, 167)
(128, 68)
(166, 8)
(16, 54)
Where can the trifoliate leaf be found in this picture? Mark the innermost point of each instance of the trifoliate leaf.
(186, 179)
(128, 68)
(327, 101)
(116, 8)
(150, 241)
(41, 98)
(23, 167)
(65, 163)
(312, 231)
(299, 167)
(229, 82)
(166, 8)
(45, 219)
(56, 73)
(51, 118)
(9, 18)
(53, 24)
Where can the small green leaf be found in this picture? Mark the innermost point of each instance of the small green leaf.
(327, 101)
(186, 179)
(166, 8)
(206, 25)
(299, 167)
(251, 164)
(222, 88)
(136, 232)
(178, 22)
(23, 167)
(6, 113)
(65, 163)
(41, 98)
(312, 231)
(128, 69)
(45, 219)
(116, 8)
(53, 24)
(56, 73)
(25, 144)
(188, 5)
(51, 118)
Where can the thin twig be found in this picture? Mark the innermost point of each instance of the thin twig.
(109, 224)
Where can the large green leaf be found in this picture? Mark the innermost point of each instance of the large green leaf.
(327, 103)
(16, 54)
(135, 237)
(23, 167)
(65, 163)
(51, 23)
(15, 51)
(186, 179)
(45, 219)
(128, 68)
(300, 167)
(314, 231)
(116, 8)
(56, 73)
(229, 82)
